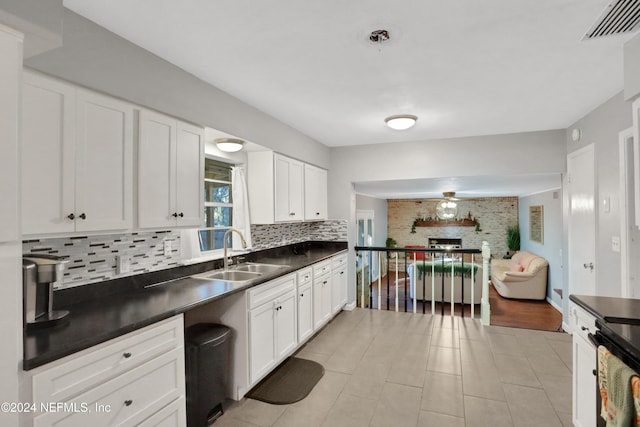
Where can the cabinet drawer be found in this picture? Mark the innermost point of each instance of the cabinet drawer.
(95, 366)
(305, 276)
(172, 415)
(321, 268)
(583, 322)
(127, 399)
(270, 290)
(338, 261)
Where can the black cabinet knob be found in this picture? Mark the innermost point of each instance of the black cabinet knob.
(83, 216)
(175, 214)
(71, 216)
(181, 215)
(128, 402)
(126, 355)
(595, 373)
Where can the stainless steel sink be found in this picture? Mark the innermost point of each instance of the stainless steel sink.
(259, 268)
(229, 276)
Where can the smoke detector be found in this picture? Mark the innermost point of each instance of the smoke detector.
(379, 37)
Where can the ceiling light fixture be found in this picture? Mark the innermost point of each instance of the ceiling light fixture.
(229, 145)
(447, 208)
(401, 122)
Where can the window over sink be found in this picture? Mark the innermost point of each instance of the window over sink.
(218, 204)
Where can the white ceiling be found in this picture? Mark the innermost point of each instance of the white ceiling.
(463, 67)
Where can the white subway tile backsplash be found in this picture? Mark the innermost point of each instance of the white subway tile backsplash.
(93, 258)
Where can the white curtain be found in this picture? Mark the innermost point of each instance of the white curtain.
(241, 219)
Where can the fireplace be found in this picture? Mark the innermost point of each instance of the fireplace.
(444, 243)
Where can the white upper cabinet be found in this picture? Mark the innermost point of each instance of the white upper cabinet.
(170, 172)
(315, 193)
(104, 144)
(289, 189)
(282, 189)
(76, 159)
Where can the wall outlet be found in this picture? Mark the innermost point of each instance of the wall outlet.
(167, 248)
(615, 243)
(123, 264)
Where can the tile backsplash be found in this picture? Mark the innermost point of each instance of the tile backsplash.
(92, 259)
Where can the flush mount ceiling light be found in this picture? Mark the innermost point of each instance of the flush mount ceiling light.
(230, 145)
(447, 208)
(401, 122)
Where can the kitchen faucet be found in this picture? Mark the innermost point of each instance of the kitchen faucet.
(226, 234)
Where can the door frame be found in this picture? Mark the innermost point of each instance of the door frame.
(626, 153)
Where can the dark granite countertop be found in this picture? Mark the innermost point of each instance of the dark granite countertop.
(618, 319)
(104, 311)
(610, 309)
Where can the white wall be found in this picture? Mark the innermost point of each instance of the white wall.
(93, 57)
(551, 249)
(601, 127)
(632, 68)
(511, 154)
(10, 236)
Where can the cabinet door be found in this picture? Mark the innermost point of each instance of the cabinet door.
(190, 175)
(261, 341)
(47, 160)
(156, 170)
(321, 301)
(289, 189)
(584, 383)
(281, 189)
(305, 313)
(104, 144)
(315, 193)
(296, 189)
(338, 289)
(286, 325)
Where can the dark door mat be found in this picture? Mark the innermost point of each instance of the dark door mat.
(291, 382)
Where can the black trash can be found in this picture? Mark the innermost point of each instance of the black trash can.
(207, 366)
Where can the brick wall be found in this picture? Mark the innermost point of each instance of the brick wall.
(494, 215)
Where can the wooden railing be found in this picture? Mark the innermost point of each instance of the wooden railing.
(452, 271)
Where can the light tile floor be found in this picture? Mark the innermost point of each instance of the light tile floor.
(401, 369)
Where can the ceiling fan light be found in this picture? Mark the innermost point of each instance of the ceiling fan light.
(401, 122)
(229, 145)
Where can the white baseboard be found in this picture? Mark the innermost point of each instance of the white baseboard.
(350, 306)
(554, 305)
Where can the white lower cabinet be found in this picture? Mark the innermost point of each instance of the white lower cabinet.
(321, 293)
(272, 325)
(338, 282)
(136, 379)
(584, 363)
(305, 304)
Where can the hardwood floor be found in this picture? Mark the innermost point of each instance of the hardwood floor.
(525, 314)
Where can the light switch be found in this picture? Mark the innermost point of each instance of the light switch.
(615, 243)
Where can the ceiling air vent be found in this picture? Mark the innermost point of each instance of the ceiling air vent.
(620, 16)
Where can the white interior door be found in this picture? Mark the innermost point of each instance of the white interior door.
(582, 221)
(629, 233)
(365, 238)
